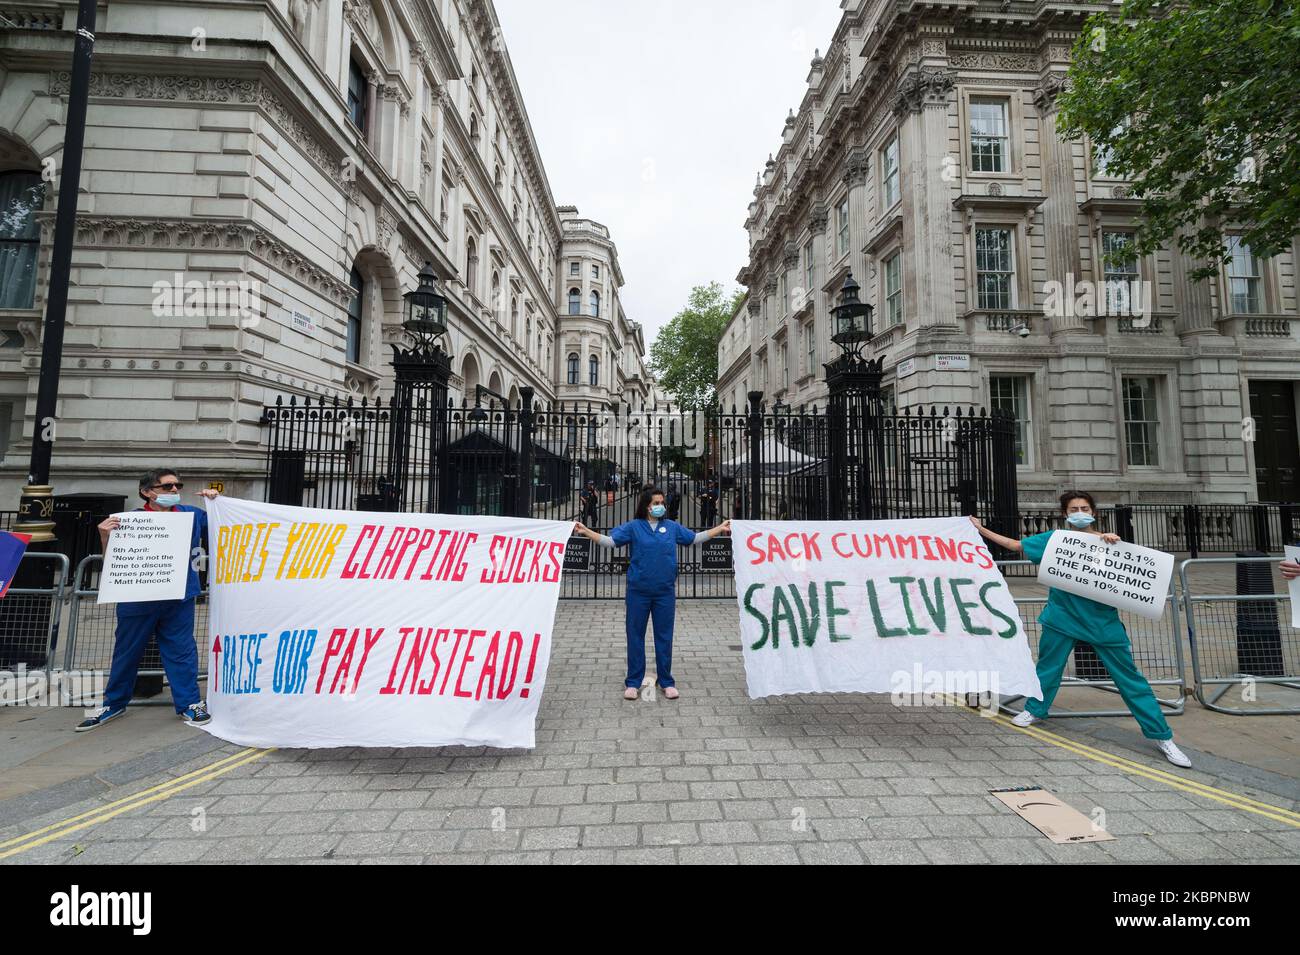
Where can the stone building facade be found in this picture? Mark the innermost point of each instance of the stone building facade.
(924, 159)
(262, 180)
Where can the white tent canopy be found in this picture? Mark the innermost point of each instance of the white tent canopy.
(774, 458)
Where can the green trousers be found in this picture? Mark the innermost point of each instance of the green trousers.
(1054, 648)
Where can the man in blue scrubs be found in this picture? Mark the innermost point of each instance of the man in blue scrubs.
(170, 621)
(651, 577)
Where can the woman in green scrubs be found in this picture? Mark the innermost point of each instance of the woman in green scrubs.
(1068, 618)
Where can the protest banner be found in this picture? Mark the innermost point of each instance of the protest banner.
(1125, 576)
(12, 548)
(874, 607)
(357, 628)
(147, 558)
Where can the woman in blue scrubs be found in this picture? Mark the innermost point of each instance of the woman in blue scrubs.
(652, 572)
(1069, 617)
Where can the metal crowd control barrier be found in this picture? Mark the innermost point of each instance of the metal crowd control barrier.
(93, 626)
(29, 626)
(1240, 640)
(1157, 651)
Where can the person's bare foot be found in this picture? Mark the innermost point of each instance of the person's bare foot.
(630, 693)
(670, 693)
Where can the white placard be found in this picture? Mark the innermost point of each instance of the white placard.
(906, 607)
(148, 557)
(357, 628)
(906, 367)
(952, 362)
(1293, 586)
(1125, 576)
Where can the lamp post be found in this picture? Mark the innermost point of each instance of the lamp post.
(855, 458)
(852, 320)
(421, 373)
(36, 505)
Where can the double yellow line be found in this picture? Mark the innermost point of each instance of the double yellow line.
(1191, 786)
(151, 795)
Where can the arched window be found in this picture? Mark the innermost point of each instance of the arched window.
(573, 368)
(471, 265)
(496, 175)
(473, 127)
(575, 302)
(496, 302)
(21, 196)
(354, 316)
(514, 318)
(595, 304)
(591, 432)
(593, 371)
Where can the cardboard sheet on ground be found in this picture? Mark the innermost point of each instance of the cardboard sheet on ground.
(1126, 576)
(148, 557)
(357, 628)
(1061, 823)
(905, 606)
(1293, 587)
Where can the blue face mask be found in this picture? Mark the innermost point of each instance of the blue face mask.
(658, 510)
(167, 500)
(1080, 520)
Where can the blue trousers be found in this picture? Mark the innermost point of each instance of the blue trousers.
(640, 608)
(172, 622)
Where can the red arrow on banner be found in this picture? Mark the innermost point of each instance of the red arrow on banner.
(216, 653)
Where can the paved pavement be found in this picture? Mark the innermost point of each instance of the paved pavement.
(712, 777)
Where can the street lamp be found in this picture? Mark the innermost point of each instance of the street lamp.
(477, 413)
(852, 319)
(426, 311)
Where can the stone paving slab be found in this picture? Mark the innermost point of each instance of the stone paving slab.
(711, 778)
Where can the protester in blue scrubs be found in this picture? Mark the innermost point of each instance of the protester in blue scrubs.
(170, 621)
(652, 539)
(1068, 618)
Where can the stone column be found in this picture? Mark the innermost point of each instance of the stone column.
(1060, 209)
(921, 105)
(817, 221)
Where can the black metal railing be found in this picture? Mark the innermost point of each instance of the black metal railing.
(581, 461)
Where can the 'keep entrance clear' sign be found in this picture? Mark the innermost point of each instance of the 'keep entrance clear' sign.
(1125, 576)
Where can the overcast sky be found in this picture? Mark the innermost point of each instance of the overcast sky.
(654, 116)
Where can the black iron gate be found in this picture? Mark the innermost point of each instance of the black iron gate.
(582, 462)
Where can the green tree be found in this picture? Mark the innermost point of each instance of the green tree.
(684, 355)
(1196, 103)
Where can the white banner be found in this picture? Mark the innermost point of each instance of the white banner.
(354, 628)
(906, 606)
(147, 558)
(1126, 576)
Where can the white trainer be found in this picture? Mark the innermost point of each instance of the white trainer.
(1173, 753)
(1024, 718)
